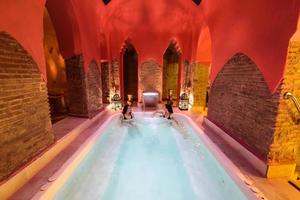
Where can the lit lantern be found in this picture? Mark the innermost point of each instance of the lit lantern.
(184, 101)
(116, 102)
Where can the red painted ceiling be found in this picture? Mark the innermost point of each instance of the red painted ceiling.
(212, 32)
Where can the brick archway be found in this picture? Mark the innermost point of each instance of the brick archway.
(242, 105)
(25, 127)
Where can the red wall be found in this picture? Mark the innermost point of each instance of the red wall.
(23, 20)
(150, 25)
(259, 28)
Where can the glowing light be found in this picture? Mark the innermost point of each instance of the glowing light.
(150, 94)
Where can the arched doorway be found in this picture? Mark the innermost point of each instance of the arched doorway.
(56, 72)
(171, 72)
(130, 72)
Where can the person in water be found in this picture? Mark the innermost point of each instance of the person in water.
(127, 111)
(169, 108)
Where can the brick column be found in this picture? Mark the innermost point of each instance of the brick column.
(25, 125)
(94, 90)
(286, 138)
(105, 81)
(84, 90)
(77, 96)
(114, 75)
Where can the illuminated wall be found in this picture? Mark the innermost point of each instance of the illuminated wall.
(200, 86)
(55, 64)
(286, 139)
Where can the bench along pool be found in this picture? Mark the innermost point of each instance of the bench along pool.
(149, 158)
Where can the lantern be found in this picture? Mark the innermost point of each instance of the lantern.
(116, 102)
(184, 101)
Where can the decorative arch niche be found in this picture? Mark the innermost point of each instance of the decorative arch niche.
(171, 71)
(129, 72)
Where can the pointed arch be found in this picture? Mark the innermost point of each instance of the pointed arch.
(171, 70)
(241, 103)
(129, 71)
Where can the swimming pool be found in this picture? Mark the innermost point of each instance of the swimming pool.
(150, 159)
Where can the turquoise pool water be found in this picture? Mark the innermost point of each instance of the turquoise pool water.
(150, 159)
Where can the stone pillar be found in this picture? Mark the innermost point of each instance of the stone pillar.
(77, 96)
(25, 125)
(84, 90)
(105, 82)
(150, 78)
(114, 77)
(94, 90)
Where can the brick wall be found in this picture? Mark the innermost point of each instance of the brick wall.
(77, 96)
(200, 83)
(170, 75)
(150, 78)
(105, 82)
(94, 89)
(84, 90)
(286, 138)
(114, 76)
(241, 104)
(25, 126)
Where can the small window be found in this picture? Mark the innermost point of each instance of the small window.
(106, 1)
(197, 2)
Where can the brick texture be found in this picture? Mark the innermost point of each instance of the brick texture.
(105, 82)
(25, 126)
(200, 83)
(286, 138)
(94, 89)
(77, 96)
(170, 74)
(84, 90)
(114, 76)
(150, 78)
(242, 105)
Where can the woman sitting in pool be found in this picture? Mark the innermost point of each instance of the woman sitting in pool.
(169, 108)
(127, 111)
